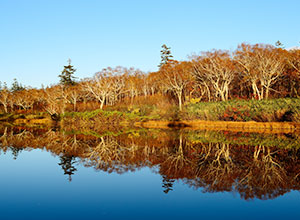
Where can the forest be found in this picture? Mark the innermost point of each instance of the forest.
(254, 75)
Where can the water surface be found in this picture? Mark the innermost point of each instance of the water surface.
(146, 174)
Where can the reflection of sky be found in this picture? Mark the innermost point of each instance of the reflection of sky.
(34, 187)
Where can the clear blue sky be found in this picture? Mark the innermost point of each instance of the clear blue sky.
(38, 36)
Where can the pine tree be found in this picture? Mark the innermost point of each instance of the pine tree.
(16, 86)
(279, 44)
(165, 55)
(66, 76)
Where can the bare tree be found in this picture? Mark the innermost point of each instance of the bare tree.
(5, 100)
(261, 65)
(100, 86)
(215, 70)
(53, 100)
(117, 88)
(293, 61)
(176, 76)
(25, 98)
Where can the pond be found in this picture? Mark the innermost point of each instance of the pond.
(148, 174)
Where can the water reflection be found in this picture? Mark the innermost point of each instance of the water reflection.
(262, 166)
(67, 164)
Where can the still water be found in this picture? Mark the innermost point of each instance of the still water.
(147, 174)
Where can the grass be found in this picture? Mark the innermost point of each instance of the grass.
(272, 110)
(82, 115)
(132, 114)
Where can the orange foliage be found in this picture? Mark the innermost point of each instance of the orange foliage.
(251, 71)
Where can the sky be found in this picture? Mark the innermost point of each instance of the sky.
(37, 37)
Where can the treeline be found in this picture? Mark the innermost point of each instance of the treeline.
(250, 72)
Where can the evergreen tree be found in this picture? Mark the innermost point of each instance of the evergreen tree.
(165, 55)
(66, 76)
(3, 86)
(279, 44)
(16, 86)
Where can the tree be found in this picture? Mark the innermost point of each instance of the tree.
(100, 87)
(53, 100)
(25, 99)
(270, 64)
(215, 70)
(117, 77)
(165, 55)
(16, 86)
(74, 94)
(5, 97)
(66, 76)
(134, 83)
(293, 73)
(261, 65)
(279, 44)
(176, 77)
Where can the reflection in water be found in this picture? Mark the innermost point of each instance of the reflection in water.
(167, 184)
(67, 164)
(253, 165)
(16, 151)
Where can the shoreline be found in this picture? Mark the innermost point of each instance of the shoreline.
(251, 126)
(237, 126)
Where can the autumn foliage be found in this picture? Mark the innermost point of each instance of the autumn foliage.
(250, 72)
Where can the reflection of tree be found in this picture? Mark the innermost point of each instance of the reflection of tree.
(264, 174)
(177, 158)
(67, 163)
(107, 154)
(3, 138)
(16, 151)
(20, 141)
(167, 184)
(215, 167)
(264, 177)
(254, 171)
(61, 143)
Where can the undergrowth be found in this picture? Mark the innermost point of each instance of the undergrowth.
(283, 109)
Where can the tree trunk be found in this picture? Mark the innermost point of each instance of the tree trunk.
(208, 91)
(101, 104)
(267, 92)
(74, 105)
(221, 94)
(5, 107)
(254, 89)
(262, 92)
(226, 93)
(179, 95)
